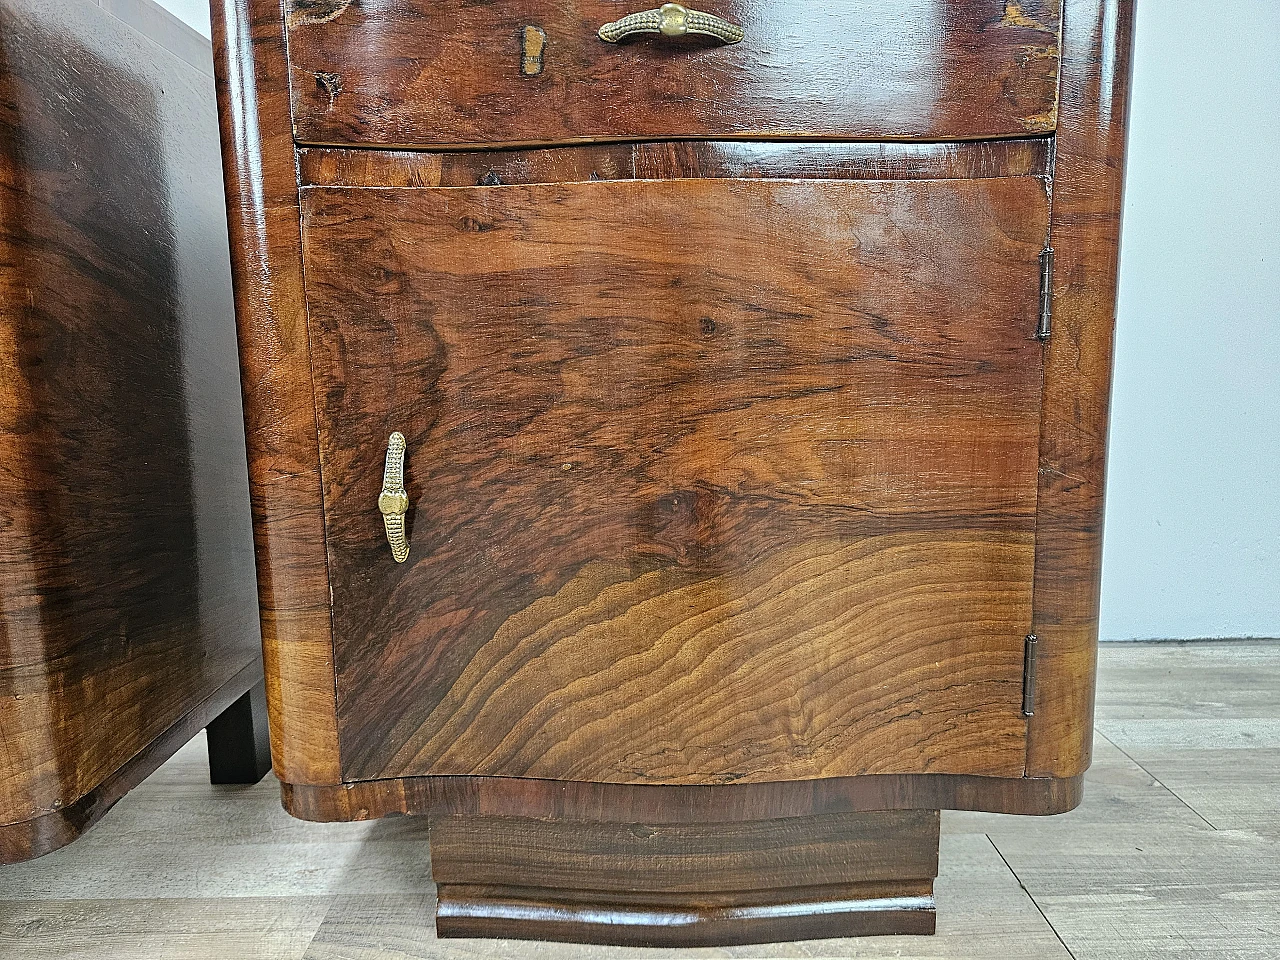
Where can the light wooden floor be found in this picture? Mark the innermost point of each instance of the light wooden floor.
(1175, 853)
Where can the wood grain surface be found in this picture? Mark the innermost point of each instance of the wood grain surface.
(687, 858)
(673, 160)
(47, 832)
(686, 885)
(747, 498)
(126, 563)
(1088, 184)
(448, 72)
(279, 406)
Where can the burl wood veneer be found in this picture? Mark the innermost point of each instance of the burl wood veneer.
(127, 614)
(754, 405)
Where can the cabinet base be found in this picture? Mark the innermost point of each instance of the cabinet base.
(41, 835)
(714, 884)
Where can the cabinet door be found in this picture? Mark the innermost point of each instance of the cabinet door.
(710, 480)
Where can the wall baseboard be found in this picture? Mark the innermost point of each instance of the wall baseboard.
(1186, 640)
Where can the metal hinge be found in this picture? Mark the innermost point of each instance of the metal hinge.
(1045, 327)
(1029, 676)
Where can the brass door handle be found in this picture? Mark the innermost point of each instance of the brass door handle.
(672, 20)
(393, 503)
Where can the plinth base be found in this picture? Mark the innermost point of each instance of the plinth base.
(714, 884)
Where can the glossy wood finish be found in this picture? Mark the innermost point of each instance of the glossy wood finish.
(126, 565)
(672, 885)
(279, 408)
(326, 167)
(1088, 184)
(1101, 63)
(713, 522)
(448, 72)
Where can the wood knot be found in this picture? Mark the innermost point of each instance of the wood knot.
(472, 225)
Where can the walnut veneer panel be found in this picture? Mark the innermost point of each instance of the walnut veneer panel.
(1087, 202)
(434, 72)
(748, 497)
(279, 406)
(681, 803)
(127, 616)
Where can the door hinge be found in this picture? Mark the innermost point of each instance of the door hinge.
(1045, 327)
(1029, 676)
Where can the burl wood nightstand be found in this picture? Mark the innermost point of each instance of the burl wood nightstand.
(127, 607)
(677, 439)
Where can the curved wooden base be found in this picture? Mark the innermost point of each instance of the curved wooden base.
(682, 885)
(665, 803)
(38, 836)
(678, 865)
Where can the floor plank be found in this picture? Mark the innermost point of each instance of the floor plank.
(1129, 875)
(1230, 790)
(1203, 720)
(176, 836)
(1136, 736)
(1207, 679)
(1175, 893)
(1117, 791)
(227, 928)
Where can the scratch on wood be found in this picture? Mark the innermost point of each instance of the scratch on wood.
(1051, 471)
(1042, 122)
(1033, 51)
(331, 84)
(1015, 16)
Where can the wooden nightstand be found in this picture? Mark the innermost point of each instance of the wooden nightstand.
(127, 607)
(677, 458)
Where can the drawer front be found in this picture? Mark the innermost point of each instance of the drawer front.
(456, 72)
(709, 481)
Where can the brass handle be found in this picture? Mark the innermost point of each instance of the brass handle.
(394, 502)
(672, 20)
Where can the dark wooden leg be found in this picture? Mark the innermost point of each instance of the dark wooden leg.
(239, 748)
(714, 884)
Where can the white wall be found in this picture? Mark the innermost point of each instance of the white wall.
(1193, 512)
(194, 13)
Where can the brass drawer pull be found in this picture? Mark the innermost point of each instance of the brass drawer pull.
(672, 20)
(394, 502)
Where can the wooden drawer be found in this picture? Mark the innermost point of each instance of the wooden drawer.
(454, 72)
(709, 478)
